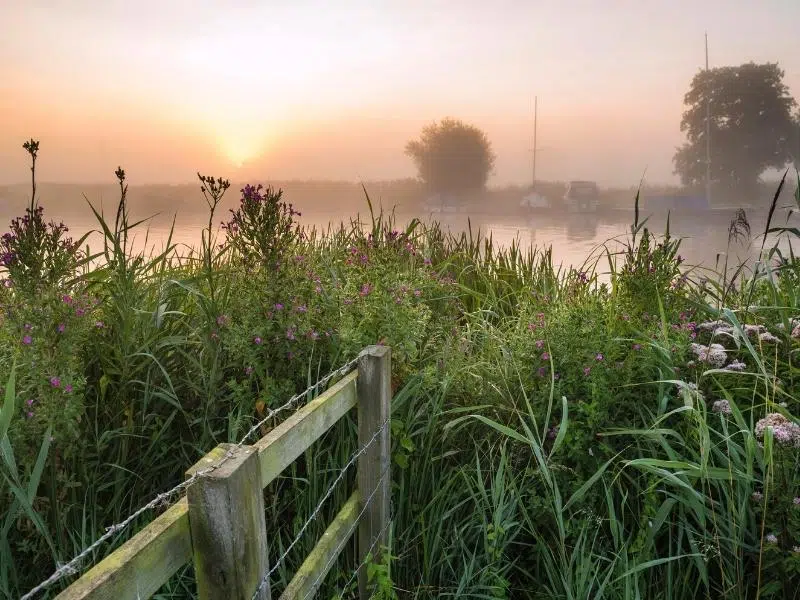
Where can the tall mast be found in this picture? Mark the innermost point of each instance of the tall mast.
(535, 119)
(708, 130)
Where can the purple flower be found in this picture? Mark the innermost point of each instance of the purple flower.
(99, 324)
(365, 290)
(302, 308)
(587, 370)
(545, 356)
(28, 327)
(67, 299)
(30, 414)
(542, 371)
(61, 327)
(257, 341)
(55, 382)
(29, 401)
(539, 344)
(278, 306)
(68, 389)
(79, 312)
(637, 347)
(598, 357)
(27, 340)
(290, 333)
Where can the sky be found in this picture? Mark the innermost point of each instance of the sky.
(271, 89)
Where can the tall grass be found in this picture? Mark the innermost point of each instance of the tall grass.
(554, 435)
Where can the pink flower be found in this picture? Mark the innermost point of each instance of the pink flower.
(290, 333)
(279, 306)
(30, 414)
(539, 344)
(29, 401)
(79, 312)
(257, 341)
(55, 382)
(68, 389)
(587, 370)
(637, 347)
(545, 356)
(365, 290)
(27, 340)
(598, 357)
(99, 324)
(67, 299)
(61, 327)
(302, 308)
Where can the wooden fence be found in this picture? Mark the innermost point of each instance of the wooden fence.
(219, 524)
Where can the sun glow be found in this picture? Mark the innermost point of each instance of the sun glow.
(240, 146)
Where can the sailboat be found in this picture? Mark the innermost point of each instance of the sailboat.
(534, 200)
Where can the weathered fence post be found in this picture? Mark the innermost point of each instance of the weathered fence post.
(374, 408)
(226, 519)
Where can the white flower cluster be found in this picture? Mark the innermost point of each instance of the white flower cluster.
(714, 354)
(784, 431)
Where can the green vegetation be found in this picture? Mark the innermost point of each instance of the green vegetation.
(556, 434)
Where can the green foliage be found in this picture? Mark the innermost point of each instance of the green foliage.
(553, 435)
(452, 156)
(751, 124)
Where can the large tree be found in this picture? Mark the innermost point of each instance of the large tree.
(452, 156)
(751, 125)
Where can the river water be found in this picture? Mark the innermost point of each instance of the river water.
(573, 237)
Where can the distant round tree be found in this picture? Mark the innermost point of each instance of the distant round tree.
(751, 124)
(452, 156)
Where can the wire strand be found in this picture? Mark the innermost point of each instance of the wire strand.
(73, 566)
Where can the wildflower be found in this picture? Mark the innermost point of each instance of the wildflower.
(27, 327)
(545, 356)
(61, 327)
(257, 341)
(29, 401)
(290, 333)
(348, 301)
(637, 347)
(736, 365)
(318, 289)
(30, 414)
(68, 389)
(214, 335)
(784, 431)
(99, 324)
(27, 340)
(539, 344)
(278, 306)
(772, 538)
(796, 501)
(427, 262)
(365, 290)
(587, 370)
(7, 283)
(598, 357)
(79, 312)
(302, 308)
(248, 371)
(313, 335)
(222, 320)
(768, 338)
(55, 382)
(67, 299)
(721, 406)
(714, 354)
(757, 496)
(418, 293)
(542, 371)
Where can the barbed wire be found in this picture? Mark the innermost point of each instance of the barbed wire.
(318, 508)
(366, 556)
(73, 566)
(335, 554)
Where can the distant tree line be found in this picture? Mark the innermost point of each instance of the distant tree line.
(753, 123)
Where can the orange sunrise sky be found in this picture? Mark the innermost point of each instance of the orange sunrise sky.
(324, 90)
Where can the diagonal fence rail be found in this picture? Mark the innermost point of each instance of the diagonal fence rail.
(219, 524)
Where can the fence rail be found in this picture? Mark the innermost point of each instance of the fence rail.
(219, 524)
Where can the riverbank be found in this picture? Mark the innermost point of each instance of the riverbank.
(553, 433)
